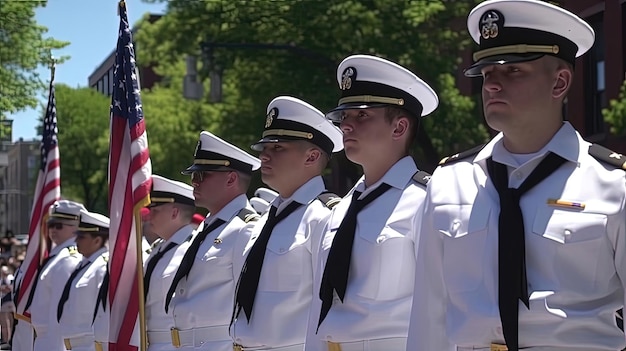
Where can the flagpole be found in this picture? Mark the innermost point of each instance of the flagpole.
(44, 243)
(138, 238)
(142, 303)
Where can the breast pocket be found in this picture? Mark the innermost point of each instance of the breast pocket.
(286, 260)
(464, 231)
(216, 261)
(383, 265)
(582, 253)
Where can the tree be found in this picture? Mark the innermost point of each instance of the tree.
(23, 49)
(82, 119)
(615, 114)
(266, 49)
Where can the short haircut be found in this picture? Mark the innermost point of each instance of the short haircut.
(393, 112)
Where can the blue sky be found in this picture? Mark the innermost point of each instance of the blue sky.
(91, 28)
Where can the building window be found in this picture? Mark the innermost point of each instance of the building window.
(595, 87)
(105, 85)
(111, 79)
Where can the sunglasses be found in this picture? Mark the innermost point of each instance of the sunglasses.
(197, 176)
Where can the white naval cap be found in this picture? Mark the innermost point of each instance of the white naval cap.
(166, 190)
(65, 210)
(265, 194)
(290, 119)
(213, 153)
(510, 31)
(369, 81)
(93, 223)
(260, 206)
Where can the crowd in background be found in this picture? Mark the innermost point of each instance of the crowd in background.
(12, 252)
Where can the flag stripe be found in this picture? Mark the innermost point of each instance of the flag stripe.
(47, 191)
(129, 188)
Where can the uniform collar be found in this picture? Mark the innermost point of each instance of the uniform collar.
(306, 193)
(58, 248)
(180, 236)
(565, 143)
(94, 256)
(230, 210)
(398, 176)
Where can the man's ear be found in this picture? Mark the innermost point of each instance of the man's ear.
(401, 127)
(232, 179)
(562, 83)
(312, 156)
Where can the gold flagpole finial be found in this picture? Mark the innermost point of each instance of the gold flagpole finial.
(121, 4)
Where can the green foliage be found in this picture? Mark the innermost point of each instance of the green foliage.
(615, 114)
(82, 118)
(23, 49)
(272, 48)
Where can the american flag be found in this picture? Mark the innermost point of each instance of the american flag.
(130, 174)
(47, 191)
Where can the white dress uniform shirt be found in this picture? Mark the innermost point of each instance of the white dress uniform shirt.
(75, 323)
(379, 292)
(281, 306)
(23, 334)
(51, 283)
(575, 256)
(204, 301)
(157, 320)
(101, 327)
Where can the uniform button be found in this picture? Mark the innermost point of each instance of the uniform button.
(282, 249)
(567, 232)
(181, 291)
(519, 175)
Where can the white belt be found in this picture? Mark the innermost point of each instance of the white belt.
(388, 344)
(80, 341)
(299, 347)
(195, 336)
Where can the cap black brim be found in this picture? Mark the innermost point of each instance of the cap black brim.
(335, 115)
(475, 69)
(258, 146)
(200, 168)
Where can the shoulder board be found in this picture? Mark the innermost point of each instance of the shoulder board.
(421, 177)
(603, 154)
(72, 249)
(247, 215)
(329, 199)
(156, 243)
(461, 155)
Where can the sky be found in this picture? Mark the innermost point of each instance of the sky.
(91, 28)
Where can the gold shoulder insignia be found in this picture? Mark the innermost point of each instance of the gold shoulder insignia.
(461, 155)
(73, 250)
(603, 154)
(156, 243)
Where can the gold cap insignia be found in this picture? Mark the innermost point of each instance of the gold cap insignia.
(198, 148)
(346, 78)
(270, 117)
(489, 24)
